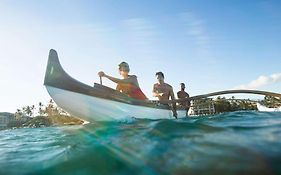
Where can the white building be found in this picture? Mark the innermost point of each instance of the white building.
(202, 107)
(5, 119)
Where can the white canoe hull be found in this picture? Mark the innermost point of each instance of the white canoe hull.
(97, 109)
(266, 109)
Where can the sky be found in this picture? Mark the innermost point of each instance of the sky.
(209, 45)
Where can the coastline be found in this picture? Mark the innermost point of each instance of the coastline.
(9, 121)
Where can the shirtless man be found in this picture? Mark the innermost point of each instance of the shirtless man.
(182, 95)
(164, 91)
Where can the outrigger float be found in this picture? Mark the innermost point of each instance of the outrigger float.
(101, 103)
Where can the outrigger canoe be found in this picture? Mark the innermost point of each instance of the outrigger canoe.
(97, 103)
(101, 103)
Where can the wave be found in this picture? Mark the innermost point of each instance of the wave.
(229, 143)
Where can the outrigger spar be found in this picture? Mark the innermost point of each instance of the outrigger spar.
(242, 91)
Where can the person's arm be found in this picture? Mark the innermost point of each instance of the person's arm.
(174, 108)
(115, 80)
(188, 101)
(172, 94)
(118, 88)
(155, 92)
(178, 94)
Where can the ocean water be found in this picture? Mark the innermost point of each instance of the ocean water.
(231, 143)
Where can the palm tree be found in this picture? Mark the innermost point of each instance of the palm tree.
(18, 114)
(28, 111)
(32, 108)
(41, 111)
(51, 109)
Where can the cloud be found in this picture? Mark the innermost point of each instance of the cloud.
(195, 28)
(261, 81)
(141, 32)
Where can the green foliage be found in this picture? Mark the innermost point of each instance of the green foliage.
(228, 105)
(38, 122)
(51, 109)
(48, 115)
(271, 102)
(222, 105)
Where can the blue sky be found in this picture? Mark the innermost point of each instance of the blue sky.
(209, 45)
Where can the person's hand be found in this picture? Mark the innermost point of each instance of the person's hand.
(101, 74)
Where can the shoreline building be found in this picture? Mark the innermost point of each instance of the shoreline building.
(202, 107)
(5, 119)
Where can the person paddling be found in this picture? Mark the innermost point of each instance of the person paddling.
(183, 95)
(128, 84)
(164, 91)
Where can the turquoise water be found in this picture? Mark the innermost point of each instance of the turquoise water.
(231, 143)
